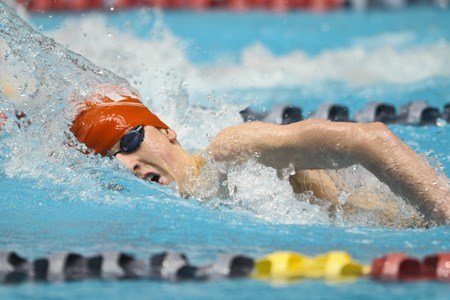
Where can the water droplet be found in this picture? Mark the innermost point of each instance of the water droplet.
(112, 8)
(441, 122)
(50, 17)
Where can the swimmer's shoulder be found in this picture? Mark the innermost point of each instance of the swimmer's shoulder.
(257, 128)
(269, 134)
(249, 138)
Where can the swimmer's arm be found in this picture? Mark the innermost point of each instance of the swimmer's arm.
(317, 144)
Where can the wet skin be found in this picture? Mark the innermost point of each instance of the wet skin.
(306, 145)
(160, 158)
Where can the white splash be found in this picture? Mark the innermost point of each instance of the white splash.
(185, 96)
(174, 87)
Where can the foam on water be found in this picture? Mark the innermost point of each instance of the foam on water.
(43, 77)
(388, 58)
(158, 67)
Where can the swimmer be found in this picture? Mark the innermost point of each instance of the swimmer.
(116, 124)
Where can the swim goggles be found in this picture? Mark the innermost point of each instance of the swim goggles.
(130, 142)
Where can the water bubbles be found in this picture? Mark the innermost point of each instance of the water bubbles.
(440, 122)
(288, 172)
(342, 198)
(162, 78)
(409, 245)
(50, 17)
(209, 136)
(273, 200)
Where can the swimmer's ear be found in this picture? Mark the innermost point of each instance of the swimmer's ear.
(170, 134)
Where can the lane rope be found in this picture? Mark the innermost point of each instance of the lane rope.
(175, 266)
(417, 113)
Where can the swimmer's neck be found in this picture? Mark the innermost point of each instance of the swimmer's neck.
(193, 168)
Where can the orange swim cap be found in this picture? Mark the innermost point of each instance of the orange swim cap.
(102, 121)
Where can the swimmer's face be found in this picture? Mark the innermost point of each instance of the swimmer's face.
(155, 159)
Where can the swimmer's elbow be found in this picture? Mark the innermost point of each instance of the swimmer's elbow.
(379, 129)
(378, 136)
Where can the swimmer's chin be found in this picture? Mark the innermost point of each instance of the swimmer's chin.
(173, 185)
(160, 180)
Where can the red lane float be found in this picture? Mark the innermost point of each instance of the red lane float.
(399, 266)
(395, 266)
(238, 5)
(437, 266)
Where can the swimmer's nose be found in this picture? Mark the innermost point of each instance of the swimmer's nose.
(137, 170)
(144, 172)
(133, 165)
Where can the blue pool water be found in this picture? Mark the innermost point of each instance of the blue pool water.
(210, 65)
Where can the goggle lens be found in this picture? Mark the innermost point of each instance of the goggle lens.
(131, 141)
